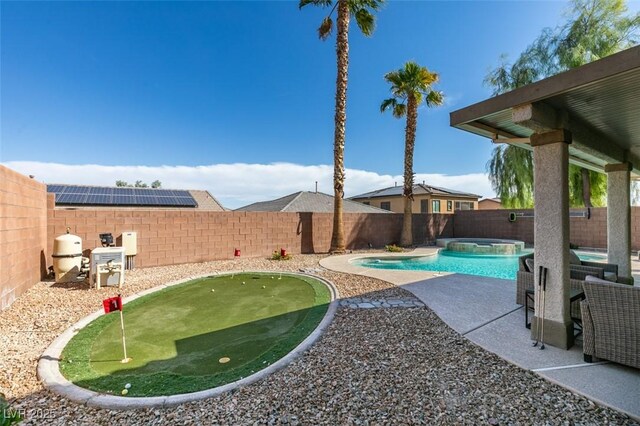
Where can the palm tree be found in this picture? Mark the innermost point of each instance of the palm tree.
(361, 10)
(410, 86)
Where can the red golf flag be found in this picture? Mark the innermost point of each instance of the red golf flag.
(112, 304)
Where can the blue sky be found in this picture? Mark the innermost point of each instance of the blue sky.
(208, 85)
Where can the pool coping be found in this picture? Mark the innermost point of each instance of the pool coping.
(48, 369)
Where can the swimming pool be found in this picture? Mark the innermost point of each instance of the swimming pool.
(496, 266)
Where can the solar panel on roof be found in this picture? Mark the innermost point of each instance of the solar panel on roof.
(186, 201)
(93, 195)
(55, 188)
(72, 198)
(76, 190)
(96, 190)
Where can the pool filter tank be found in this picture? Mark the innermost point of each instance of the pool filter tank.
(68, 263)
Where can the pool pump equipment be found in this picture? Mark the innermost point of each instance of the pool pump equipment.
(68, 262)
(107, 266)
(106, 240)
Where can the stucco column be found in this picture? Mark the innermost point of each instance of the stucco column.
(619, 216)
(551, 234)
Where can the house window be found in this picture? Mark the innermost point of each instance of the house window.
(464, 205)
(385, 205)
(424, 206)
(435, 206)
(449, 205)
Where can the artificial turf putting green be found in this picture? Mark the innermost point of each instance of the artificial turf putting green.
(176, 336)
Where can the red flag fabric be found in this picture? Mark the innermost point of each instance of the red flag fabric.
(112, 304)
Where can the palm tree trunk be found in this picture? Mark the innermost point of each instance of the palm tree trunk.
(342, 53)
(406, 239)
(586, 187)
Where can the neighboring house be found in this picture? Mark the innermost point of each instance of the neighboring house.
(490, 204)
(426, 199)
(83, 196)
(304, 201)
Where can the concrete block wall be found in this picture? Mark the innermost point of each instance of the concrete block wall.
(170, 237)
(23, 234)
(584, 232)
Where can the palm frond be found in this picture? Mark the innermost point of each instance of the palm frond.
(322, 3)
(434, 98)
(400, 110)
(394, 78)
(324, 30)
(387, 104)
(366, 22)
(371, 5)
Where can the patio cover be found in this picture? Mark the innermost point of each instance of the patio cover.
(589, 116)
(599, 103)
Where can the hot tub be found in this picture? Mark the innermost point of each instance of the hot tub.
(482, 245)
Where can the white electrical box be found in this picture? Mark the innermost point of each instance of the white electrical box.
(107, 255)
(130, 243)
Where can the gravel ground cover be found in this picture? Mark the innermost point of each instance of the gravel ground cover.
(372, 366)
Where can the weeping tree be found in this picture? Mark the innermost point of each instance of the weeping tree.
(363, 12)
(410, 87)
(594, 29)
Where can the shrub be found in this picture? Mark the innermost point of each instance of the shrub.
(277, 256)
(393, 248)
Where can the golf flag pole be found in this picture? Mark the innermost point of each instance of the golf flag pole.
(115, 304)
(126, 359)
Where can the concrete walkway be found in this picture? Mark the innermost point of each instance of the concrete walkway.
(484, 311)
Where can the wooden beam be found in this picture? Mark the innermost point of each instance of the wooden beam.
(618, 167)
(542, 118)
(491, 130)
(538, 117)
(552, 136)
(510, 140)
(585, 164)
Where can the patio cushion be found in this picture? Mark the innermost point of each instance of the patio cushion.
(574, 259)
(530, 264)
(592, 279)
(611, 276)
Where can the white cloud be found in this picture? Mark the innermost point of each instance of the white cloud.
(235, 185)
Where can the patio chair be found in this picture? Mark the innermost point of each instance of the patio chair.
(610, 269)
(577, 273)
(611, 323)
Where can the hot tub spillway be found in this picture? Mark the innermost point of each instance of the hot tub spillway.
(482, 246)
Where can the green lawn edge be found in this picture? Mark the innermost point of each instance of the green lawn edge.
(75, 363)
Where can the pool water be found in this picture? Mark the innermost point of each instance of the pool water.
(496, 266)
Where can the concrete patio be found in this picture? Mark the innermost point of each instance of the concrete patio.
(484, 311)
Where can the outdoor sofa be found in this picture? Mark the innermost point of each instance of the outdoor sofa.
(611, 322)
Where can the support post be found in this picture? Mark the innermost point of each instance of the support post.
(551, 235)
(619, 216)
